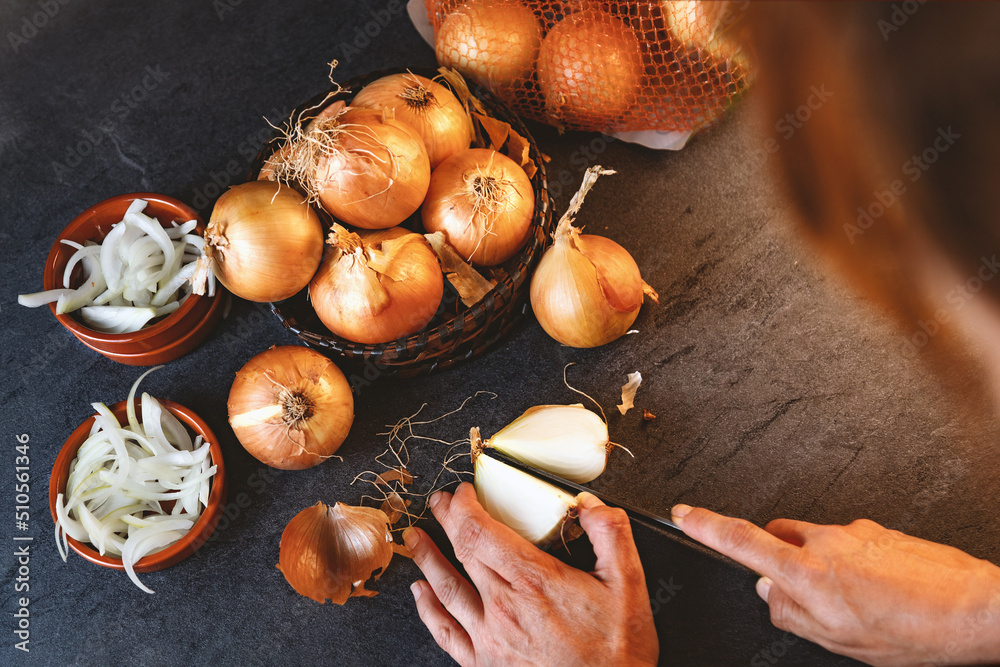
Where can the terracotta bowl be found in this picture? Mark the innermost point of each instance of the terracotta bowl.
(166, 339)
(202, 529)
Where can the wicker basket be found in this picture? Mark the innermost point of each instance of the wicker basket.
(456, 333)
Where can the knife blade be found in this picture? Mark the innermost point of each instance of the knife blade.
(635, 514)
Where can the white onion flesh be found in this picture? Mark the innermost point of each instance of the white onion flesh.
(532, 508)
(119, 477)
(567, 440)
(135, 275)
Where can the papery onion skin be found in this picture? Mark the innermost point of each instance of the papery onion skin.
(387, 287)
(291, 407)
(377, 171)
(586, 291)
(426, 106)
(494, 44)
(485, 230)
(589, 69)
(325, 550)
(265, 240)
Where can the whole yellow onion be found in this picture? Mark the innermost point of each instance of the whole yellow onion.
(264, 241)
(587, 289)
(370, 170)
(494, 43)
(589, 69)
(291, 407)
(377, 286)
(483, 202)
(426, 106)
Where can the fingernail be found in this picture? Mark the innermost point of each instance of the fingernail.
(588, 500)
(435, 499)
(417, 588)
(410, 538)
(764, 588)
(679, 512)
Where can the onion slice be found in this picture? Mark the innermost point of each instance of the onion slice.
(119, 477)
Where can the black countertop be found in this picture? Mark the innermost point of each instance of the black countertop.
(777, 392)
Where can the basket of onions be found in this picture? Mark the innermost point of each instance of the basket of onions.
(419, 211)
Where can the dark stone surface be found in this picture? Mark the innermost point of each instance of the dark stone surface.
(776, 392)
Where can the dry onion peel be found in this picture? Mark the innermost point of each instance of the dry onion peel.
(119, 477)
(291, 407)
(566, 440)
(628, 392)
(135, 275)
(587, 289)
(469, 283)
(539, 512)
(331, 552)
(376, 286)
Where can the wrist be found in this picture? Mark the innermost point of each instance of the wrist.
(976, 636)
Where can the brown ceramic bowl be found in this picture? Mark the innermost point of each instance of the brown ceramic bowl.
(164, 340)
(184, 547)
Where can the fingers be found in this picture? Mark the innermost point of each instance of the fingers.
(448, 634)
(739, 539)
(476, 536)
(610, 533)
(786, 613)
(793, 532)
(449, 587)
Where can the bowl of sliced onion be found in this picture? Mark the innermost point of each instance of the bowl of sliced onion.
(119, 277)
(137, 490)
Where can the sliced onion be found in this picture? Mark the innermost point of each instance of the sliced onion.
(119, 476)
(137, 274)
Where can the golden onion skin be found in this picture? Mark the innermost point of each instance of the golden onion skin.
(377, 172)
(426, 106)
(481, 236)
(265, 240)
(291, 407)
(492, 43)
(589, 69)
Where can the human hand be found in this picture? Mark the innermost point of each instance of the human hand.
(527, 607)
(864, 591)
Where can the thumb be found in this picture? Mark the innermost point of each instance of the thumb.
(610, 534)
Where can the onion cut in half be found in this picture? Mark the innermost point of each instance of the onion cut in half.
(540, 512)
(566, 440)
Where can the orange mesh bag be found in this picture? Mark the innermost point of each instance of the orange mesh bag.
(602, 65)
